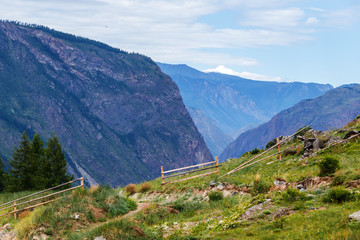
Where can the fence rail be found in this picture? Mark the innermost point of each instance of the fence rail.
(15, 203)
(200, 166)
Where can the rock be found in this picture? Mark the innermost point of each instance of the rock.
(212, 183)
(279, 182)
(99, 238)
(351, 133)
(254, 210)
(75, 216)
(282, 212)
(300, 186)
(355, 216)
(308, 143)
(220, 187)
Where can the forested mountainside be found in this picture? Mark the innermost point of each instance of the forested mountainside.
(118, 117)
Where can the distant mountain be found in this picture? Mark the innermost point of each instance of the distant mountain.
(331, 110)
(119, 118)
(233, 104)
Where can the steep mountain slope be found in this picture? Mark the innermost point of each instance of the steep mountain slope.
(118, 116)
(235, 104)
(331, 110)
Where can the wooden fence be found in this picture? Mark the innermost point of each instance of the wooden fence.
(209, 165)
(15, 203)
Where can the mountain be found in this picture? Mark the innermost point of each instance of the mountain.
(331, 110)
(233, 104)
(119, 118)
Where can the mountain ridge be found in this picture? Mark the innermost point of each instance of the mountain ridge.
(119, 118)
(233, 103)
(331, 110)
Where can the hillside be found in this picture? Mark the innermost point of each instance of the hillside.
(119, 118)
(233, 104)
(291, 198)
(329, 111)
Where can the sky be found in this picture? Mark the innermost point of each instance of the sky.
(269, 40)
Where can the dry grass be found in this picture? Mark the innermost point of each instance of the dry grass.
(130, 188)
(146, 186)
(94, 188)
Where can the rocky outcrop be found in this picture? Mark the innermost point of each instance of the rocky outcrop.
(119, 118)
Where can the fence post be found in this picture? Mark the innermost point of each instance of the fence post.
(15, 210)
(82, 182)
(162, 178)
(277, 142)
(217, 165)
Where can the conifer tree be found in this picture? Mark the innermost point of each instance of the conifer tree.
(56, 158)
(40, 165)
(21, 164)
(3, 177)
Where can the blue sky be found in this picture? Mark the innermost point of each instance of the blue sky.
(281, 40)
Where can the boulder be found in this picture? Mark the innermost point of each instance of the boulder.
(351, 133)
(212, 183)
(220, 187)
(355, 216)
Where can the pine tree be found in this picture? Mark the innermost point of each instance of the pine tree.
(20, 172)
(56, 158)
(40, 165)
(3, 177)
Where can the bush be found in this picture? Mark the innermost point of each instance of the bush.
(293, 195)
(255, 151)
(216, 196)
(271, 143)
(338, 195)
(260, 187)
(328, 166)
(146, 186)
(130, 188)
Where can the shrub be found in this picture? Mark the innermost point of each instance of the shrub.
(293, 195)
(254, 151)
(260, 187)
(130, 188)
(271, 143)
(328, 166)
(338, 195)
(216, 196)
(338, 180)
(146, 186)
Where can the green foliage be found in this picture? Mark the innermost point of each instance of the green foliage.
(255, 151)
(293, 195)
(338, 195)
(260, 187)
(3, 177)
(271, 143)
(33, 167)
(216, 196)
(328, 166)
(56, 162)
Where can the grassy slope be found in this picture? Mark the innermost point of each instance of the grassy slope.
(190, 216)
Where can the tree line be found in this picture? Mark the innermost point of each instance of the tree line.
(34, 166)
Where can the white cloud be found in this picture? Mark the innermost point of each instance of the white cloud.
(342, 17)
(312, 20)
(317, 9)
(254, 76)
(275, 18)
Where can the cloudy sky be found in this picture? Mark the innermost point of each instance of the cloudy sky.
(280, 40)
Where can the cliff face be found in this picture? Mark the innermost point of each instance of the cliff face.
(117, 115)
(233, 104)
(332, 110)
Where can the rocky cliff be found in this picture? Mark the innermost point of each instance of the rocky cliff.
(331, 110)
(119, 118)
(233, 104)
